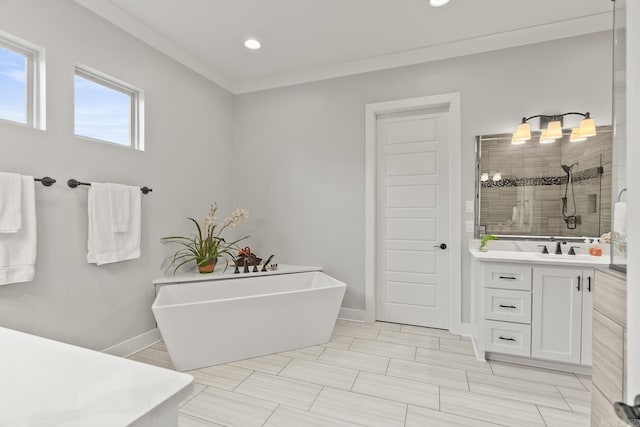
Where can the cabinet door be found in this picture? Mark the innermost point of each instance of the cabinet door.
(556, 323)
(587, 316)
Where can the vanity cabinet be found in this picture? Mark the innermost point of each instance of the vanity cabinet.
(538, 311)
(507, 308)
(562, 303)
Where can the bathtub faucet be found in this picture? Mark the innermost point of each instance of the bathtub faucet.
(266, 263)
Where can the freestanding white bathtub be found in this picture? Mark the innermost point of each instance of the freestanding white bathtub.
(220, 321)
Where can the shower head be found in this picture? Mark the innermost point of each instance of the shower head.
(567, 168)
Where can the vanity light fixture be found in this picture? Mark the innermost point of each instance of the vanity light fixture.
(497, 176)
(484, 177)
(554, 129)
(517, 141)
(252, 44)
(551, 125)
(576, 136)
(545, 138)
(438, 3)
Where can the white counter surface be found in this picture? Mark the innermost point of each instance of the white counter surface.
(539, 258)
(220, 274)
(45, 383)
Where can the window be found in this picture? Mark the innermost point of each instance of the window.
(21, 74)
(107, 110)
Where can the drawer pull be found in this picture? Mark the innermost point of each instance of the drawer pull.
(508, 277)
(579, 282)
(507, 339)
(507, 306)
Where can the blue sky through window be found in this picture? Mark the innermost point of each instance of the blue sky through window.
(101, 112)
(13, 86)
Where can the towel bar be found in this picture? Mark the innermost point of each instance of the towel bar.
(74, 183)
(47, 181)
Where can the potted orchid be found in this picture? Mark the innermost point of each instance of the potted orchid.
(206, 245)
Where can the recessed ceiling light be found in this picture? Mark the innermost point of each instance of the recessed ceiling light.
(252, 44)
(438, 3)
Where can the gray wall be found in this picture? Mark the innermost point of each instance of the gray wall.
(299, 151)
(186, 161)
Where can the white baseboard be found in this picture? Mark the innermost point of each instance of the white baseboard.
(352, 314)
(547, 364)
(463, 329)
(135, 344)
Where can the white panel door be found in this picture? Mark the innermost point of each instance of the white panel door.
(556, 316)
(412, 283)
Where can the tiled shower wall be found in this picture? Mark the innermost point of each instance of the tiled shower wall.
(538, 207)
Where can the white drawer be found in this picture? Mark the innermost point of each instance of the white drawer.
(509, 338)
(507, 276)
(507, 305)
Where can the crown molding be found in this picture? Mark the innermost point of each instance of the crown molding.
(122, 19)
(520, 37)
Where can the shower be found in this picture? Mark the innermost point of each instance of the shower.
(570, 220)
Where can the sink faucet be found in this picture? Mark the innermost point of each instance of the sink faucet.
(558, 248)
(544, 249)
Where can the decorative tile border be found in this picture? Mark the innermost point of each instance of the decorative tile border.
(578, 177)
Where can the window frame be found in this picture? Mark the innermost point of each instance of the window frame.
(34, 80)
(136, 95)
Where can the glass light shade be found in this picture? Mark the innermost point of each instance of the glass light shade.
(576, 136)
(484, 177)
(544, 138)
(587, 127)
(516, 141)
(497, 176)
(554, 130)
(523, 133)
(438, 3)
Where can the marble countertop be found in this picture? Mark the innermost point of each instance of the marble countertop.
(539, 258)
(49, 383)
(220, 274)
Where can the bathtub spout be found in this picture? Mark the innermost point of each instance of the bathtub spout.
(266, 263)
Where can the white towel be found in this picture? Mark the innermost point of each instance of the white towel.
(620, 217)
(514, 214)
(104, 244)
(18, 250)
(120, 207)
(10, 202)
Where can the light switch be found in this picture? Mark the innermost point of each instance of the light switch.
(470, 206)
(470, 226)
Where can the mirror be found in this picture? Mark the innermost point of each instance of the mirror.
(560, 189)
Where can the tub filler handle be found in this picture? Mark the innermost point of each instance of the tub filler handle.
(266, 263)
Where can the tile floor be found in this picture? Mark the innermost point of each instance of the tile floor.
(380, 374)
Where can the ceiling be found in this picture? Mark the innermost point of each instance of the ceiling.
(306, 40)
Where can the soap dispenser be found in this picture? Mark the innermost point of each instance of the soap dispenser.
(595, 249)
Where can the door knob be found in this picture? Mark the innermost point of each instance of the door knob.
(441, 246)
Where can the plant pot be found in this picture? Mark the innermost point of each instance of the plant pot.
(207, 268)
(484, 249)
